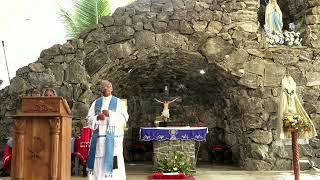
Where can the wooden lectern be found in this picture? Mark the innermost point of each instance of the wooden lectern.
(42, 139)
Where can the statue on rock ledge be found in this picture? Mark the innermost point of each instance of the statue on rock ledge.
(273, 17)
(273, 23)
(274, 27)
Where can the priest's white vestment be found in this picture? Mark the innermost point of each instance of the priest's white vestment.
(116, 119)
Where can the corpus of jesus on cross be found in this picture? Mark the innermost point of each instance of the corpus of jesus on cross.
(165, 112)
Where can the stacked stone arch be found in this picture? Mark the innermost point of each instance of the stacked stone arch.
(152, 43)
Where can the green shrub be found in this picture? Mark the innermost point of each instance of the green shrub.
(178, 163)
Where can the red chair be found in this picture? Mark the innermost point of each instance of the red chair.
(81, 149)
(7, 158)
(217, 153)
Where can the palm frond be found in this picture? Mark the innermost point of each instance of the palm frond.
(69, 24)
(131, 1)
(88, 12)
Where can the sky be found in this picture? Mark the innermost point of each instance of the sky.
(29, 26)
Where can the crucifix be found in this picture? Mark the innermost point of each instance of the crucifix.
(165, 112)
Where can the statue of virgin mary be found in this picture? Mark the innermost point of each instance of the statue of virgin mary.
(289, 104)
(273, 17)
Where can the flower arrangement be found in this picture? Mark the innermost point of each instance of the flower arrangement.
(288, 37)
(291, 37)
(178, 163)
(273, 38)
(296, 122)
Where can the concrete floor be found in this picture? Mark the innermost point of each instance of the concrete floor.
(213, 172)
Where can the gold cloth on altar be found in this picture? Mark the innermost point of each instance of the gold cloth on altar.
(289, 104)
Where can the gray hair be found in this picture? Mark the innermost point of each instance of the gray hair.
(49, 89)
(103, 83)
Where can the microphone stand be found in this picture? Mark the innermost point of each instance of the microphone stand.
(5, 58)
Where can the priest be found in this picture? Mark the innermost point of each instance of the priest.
(107, 117)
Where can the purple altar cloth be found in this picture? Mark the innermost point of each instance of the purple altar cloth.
(173, 133)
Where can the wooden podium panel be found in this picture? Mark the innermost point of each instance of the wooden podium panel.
(42, 140)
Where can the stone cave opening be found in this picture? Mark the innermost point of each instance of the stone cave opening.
(204, 99)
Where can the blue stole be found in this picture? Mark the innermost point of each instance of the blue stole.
(109, 145)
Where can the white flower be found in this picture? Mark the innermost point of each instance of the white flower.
(276, 39)
(266, 29)
(292, 26)
(297, 42)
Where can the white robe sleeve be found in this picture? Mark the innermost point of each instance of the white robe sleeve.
(92, 118)
(119, 118)
(124, 112)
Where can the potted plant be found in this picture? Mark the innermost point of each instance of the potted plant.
(176, 167)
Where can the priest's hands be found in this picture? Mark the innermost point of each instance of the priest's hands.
(102, 116)
(106, 112)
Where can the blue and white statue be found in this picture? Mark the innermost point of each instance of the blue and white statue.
(273, 17)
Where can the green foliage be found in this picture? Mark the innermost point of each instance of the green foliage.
(301, 26)
(69, 24)
(178, 163)
(86, 14)
(131, 1)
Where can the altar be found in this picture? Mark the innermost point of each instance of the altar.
(168, 140)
